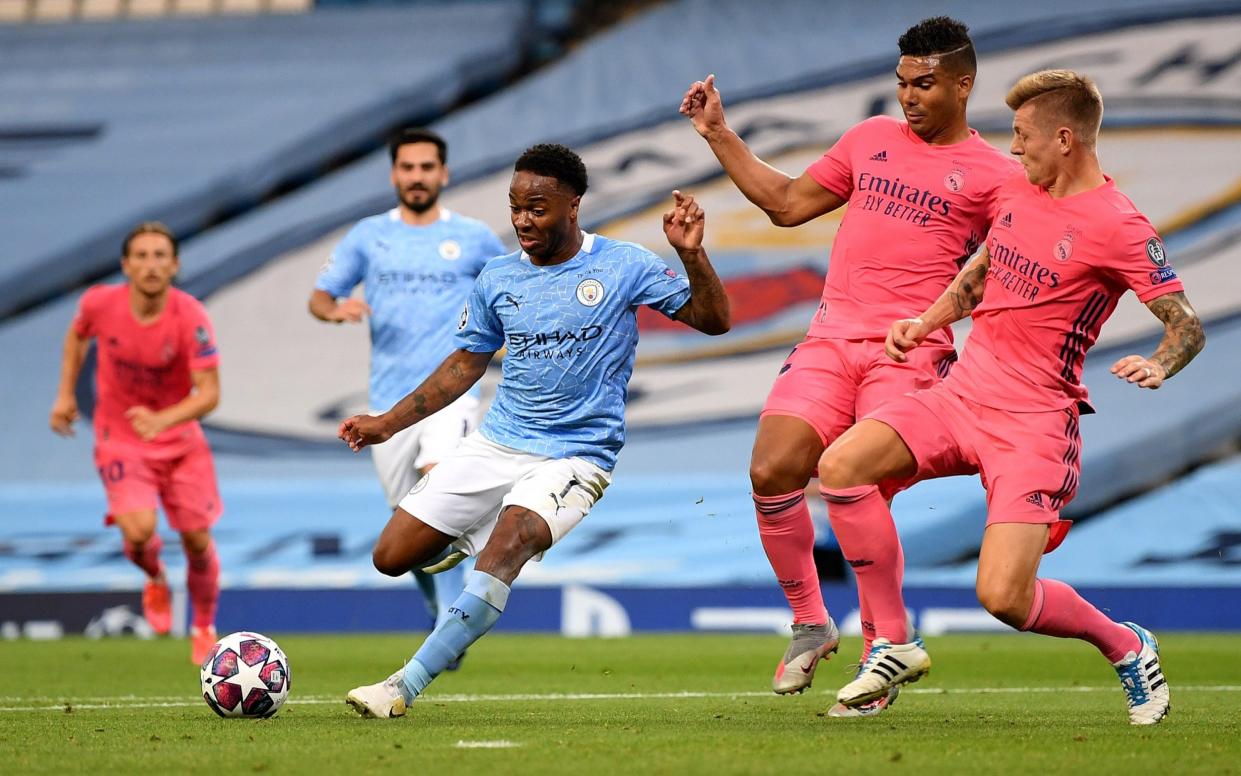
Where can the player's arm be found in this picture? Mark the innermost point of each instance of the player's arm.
(1183, 338)
(65, 407)
(958, 301)
(707, 309)
(328, 308)
(449, 382)
(786, 201)
(204, 398)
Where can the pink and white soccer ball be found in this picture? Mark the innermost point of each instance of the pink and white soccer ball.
(245, 675)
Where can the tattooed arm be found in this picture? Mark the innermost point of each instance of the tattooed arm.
(450, 380)
(1183, 339)
(958, 301)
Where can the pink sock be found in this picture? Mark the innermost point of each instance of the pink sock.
(788, 537)
(868, 620)
(1059, 611)
(202, 578)
(867, 535)
(147, 558)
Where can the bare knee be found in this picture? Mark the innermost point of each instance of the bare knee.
(838, 470)
(520, 535)
(196, 542)
(772, 477)
(389, 561)
(1008, 602)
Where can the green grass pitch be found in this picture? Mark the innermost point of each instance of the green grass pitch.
(676, 704)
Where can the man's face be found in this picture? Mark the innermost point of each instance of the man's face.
(418, 175)
(931, 97)
(1036, 144)
(544, 213)
(150, 265)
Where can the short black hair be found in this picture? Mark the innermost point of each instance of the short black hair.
(944, 36)
(554, 161)
(417, 135)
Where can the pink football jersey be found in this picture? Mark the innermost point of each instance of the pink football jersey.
(916, 213)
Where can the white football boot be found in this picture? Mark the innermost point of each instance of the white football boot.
(880, 704)
(383, 700)
(888, 665)
(1142, 678)
(809, 645)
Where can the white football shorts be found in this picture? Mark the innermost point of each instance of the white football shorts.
(464, 494)
(399, 460)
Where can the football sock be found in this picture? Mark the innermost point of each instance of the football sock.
(426, 586)
(448, 586)
(202, 579)
(1059, 611)
(787, 533)
(146, 557)
(471, 615)
(863, 525)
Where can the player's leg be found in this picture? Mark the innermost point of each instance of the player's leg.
(870, 453)
(810, 402)
(191, 498)
(132, 500)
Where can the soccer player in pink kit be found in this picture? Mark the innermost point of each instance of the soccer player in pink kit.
(157, 375)
(920, 193)
(1065, 246)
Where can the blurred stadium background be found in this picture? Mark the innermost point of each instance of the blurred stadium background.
(255, 128)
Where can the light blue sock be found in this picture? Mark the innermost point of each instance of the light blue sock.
(471, 615)
(448, 586)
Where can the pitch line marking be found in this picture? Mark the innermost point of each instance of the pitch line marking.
(146, 702)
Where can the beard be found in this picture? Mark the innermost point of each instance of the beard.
(407, 199)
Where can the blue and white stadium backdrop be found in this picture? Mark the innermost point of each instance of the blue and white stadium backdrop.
(673, 544)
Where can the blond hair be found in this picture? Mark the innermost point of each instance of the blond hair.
(1064, 97)
(149, 227)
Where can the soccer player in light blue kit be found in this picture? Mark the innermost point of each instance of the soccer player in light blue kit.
(417, 262)
(564, 307)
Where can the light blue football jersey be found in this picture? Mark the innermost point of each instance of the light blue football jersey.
(572, 335)
(416, 280)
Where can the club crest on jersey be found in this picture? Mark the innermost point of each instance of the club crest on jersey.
(955, 180)
(1063, 249)
(590, 292)
(1155, 252)
(450, 250)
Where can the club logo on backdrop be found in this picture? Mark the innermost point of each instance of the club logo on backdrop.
(1154, 252)
(590, 292)
(450, 250)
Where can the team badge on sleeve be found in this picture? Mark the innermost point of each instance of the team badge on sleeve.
(202, 336)
(465, 318)
(590, 292)
(1155, 252)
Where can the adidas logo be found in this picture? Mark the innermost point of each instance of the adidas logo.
(1036, 499)
(882, 156)
(1007, 220)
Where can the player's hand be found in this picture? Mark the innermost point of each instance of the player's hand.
(1140, 370)
(64, 413)
(349, 310)
(904, 335)
(704, 108)
(363, 430)
(684, 223)
(147, 423)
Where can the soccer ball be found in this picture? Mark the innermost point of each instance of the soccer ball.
(245, 675)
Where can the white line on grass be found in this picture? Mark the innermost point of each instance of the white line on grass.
(40, 703)
(486, 744)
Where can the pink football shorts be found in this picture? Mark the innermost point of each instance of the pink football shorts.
(831, 383)
(1030, 462)
(184, 484)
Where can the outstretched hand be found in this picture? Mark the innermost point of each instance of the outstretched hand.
(360, 431)
(349, 310)
(703, 106)
(684, 223)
